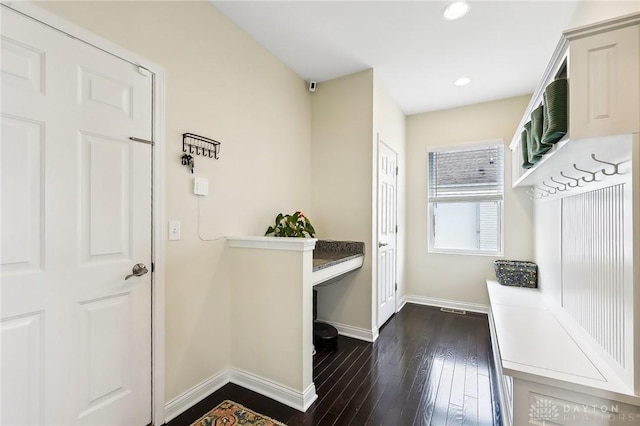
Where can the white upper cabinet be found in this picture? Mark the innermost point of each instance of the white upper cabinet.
(602, 64)
(604, 75)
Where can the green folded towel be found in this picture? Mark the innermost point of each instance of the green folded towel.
(525, 153)
(545, 122)
(537, 121)
(531, 151)
(555, 112)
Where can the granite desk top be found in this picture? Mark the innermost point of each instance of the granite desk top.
(329, 253)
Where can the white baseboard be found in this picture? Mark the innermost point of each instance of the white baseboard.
(286, 395)
(309, 396)
(376, 334)
(295, 399)
(298, 400)
(445, 303)
(191, 397)
(401, 303)
(355, 332)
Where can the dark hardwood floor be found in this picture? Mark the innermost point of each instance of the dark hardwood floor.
(427, 368)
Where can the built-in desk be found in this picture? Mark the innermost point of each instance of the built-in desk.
(333, 259)
(541, 366)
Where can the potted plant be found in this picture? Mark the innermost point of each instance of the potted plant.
(291, 225)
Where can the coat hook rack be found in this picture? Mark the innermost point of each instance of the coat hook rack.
(564, 185)
(604, 172)
(593, 174)
(555, 190)
(200, 145)
(545, 193)
(577, 181)
(531, 192)
(538, 192)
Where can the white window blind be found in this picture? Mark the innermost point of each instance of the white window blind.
(466, 174)
(465, 193)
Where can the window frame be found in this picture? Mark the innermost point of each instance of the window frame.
(499, 143)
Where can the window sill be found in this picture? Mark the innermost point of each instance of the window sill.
(466, 252)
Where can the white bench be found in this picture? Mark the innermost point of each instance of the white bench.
(545, 376)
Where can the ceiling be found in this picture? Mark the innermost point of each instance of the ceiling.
(503, 46)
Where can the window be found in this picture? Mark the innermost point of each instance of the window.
(465, 193)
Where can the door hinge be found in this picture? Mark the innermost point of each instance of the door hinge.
(142, 70)
(152, 143)
(396, 286)
(397, 168)
(396, 229)
(153, 266)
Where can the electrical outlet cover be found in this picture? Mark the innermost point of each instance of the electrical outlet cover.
(174, 230)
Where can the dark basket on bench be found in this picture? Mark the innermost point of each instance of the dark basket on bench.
(516, 273)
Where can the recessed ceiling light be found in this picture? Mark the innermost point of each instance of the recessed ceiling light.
(462, 81)
(456, 9)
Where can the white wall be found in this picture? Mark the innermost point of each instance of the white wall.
(450, 276)
(548, 248)
(222, 84)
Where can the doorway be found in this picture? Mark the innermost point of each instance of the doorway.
(387, 231)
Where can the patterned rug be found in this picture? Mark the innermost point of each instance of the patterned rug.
(229, 413)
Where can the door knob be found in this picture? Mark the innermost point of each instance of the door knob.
(382, 244)
(138, 270)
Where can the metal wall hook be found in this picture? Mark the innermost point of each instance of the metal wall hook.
(531, 192)
(555, 190)
(604, 172)
(201, 145)
(577, 181)
(564, 185)
(545, 192)
(593, 175)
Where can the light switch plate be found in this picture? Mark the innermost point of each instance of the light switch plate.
(174, 230)
(201, 186)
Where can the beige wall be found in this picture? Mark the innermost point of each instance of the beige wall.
(272, 315)
(348, 116)
(451, 276)
(389, 125)
(341, 176)
(222, 84)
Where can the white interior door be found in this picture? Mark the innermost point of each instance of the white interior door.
(76, 217)
(387, 231)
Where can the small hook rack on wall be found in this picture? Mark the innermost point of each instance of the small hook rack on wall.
(198, 145)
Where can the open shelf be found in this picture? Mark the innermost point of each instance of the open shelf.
(566, 153)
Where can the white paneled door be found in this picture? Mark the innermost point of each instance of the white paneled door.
(76, 218)
(387, 231)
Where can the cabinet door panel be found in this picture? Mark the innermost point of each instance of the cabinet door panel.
(604, 84)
